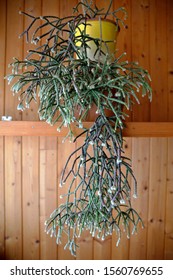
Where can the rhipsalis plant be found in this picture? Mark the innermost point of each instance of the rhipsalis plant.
(98, 197)
(66, 83)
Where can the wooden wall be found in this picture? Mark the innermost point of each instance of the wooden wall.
(30, 166)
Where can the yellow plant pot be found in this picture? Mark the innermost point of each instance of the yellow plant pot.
(106, 31)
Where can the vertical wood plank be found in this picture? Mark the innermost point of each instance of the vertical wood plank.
(33, 8)
(140, 51)
(13, 199)
(13, 215)
(122, 251)
(2, 201)
(14, 48)
(31, 211)
(2, 74)
(2, 53)
(66, 7)
(48, 193)
(124, 40)
(140, 166)
(157, 197)
(64, 151)
(170, 57)
(168, 252)
(158, 60)
(102, 249)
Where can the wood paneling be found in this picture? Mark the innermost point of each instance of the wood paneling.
(14, 48)
(157, 198)
(2, 73)
(33, 8)
(32, 154)
(169, 202)
(170, 57)
(2, 200)
(122, 251)
(140, 165)
(158, 59)
(140, 49)
(13, 199)
(48, 193)
(31, 195)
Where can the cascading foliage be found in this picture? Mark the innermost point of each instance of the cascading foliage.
(66, 84)
(98, 197)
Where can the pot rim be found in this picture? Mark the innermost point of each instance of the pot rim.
(102, 19)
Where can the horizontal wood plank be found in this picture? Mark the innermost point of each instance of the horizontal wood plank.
(38, 128)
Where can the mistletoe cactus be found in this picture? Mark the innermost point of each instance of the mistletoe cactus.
(98, 197)
(66, 83)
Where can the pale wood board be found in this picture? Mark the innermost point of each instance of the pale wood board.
(13, 199)
(48, 194)
(30, 191)
(168, 249)
(2, 200)
(157, 199)
(141, 168)
(2, 74)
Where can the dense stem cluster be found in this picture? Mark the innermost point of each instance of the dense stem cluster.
(62, 79)
(98, 197)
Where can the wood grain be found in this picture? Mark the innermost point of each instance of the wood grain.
(2, 53)
(33, 8)
(158, 60)
(168, 249)
(2, 96)
(2, 200)
(157, 198)
(122, 251)
(30, 191)
(170, 57)
(140, 51)
(13, 199)
(124, 40)
(132, 129)
(141, 168)
(48, 193)
(14, 48)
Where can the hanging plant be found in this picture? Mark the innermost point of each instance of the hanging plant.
(68, 82)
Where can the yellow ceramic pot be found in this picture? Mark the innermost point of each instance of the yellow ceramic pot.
(106, 31)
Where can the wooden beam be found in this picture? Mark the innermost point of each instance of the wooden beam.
(38, 128)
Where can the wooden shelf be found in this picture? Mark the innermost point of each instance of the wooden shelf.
(38, 128)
